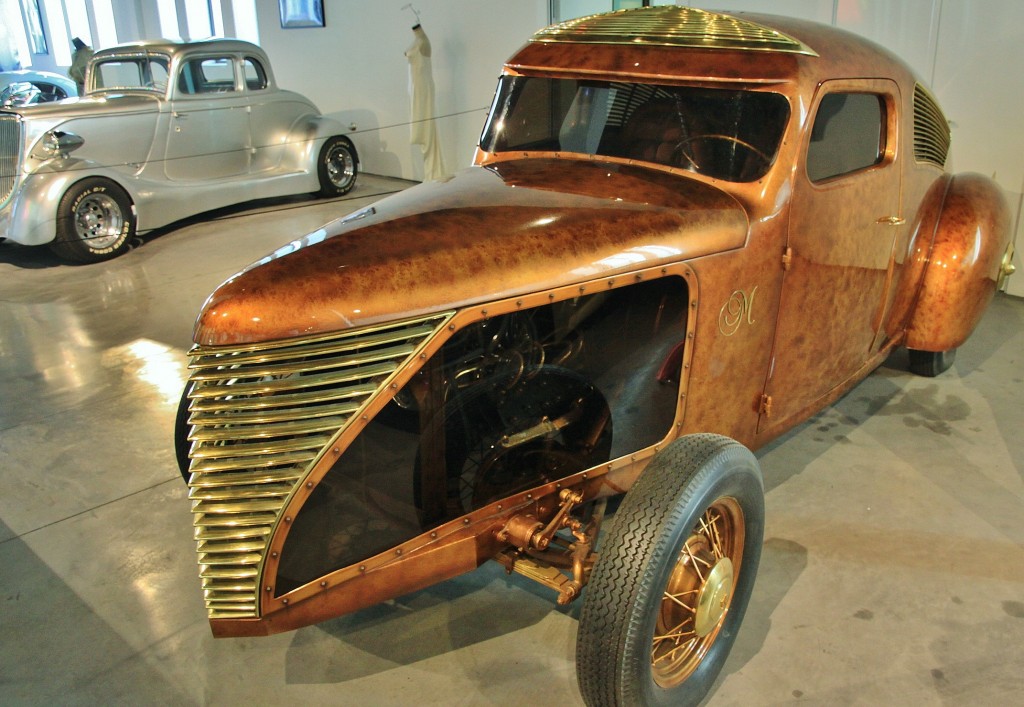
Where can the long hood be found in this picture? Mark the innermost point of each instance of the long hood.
(487, 233)
(87, 107)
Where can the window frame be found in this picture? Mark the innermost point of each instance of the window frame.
(186, 61)
(888, 94)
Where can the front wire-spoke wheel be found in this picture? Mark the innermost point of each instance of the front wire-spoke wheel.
(674, 576)
(698, 593)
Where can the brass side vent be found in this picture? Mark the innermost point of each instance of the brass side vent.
(260, 417)
(931, 131)
(673, 26)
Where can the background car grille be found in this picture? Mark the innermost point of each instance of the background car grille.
(10, 152)
(261, 416)
(931, 131)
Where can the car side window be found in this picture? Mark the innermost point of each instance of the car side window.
(131, 73)
(848, 135)
(255, 76)
(207, 75)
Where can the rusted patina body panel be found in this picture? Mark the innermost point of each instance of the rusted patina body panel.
(507, 230)
(793, 288)
(963, 264)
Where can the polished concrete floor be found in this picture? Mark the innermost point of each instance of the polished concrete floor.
(893, 567)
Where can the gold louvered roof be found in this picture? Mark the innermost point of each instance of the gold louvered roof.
(670, 25)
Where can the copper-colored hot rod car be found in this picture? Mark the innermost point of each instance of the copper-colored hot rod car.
(683, 234)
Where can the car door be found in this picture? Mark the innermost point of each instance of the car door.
(272, 120)
(843, 231)
(209, 136)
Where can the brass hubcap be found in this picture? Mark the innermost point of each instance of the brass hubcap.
(699, 592)
(714, 597)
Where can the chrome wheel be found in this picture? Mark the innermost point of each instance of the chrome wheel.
(338, 167)
(341, 168)
(99, 221)
(95, 221)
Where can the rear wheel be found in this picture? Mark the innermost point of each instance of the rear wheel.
(337, 167)
(674, 576)
(931, 363)
(94, 221)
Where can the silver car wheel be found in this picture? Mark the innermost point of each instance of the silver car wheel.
(341, 167)
(99, 221)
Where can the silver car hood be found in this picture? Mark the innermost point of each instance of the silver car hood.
(110, 104)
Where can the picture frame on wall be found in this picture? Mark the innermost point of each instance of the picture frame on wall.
(302, 13)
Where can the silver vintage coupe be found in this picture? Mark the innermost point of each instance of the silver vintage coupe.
(165, 130)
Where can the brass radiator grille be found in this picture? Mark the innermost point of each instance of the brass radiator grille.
(260, 418)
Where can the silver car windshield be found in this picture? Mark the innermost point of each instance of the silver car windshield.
(131, 73)
(722, 133)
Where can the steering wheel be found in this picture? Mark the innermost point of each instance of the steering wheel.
(682, 151)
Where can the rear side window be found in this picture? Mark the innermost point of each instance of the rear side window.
(848, 135)
(255, 76)
(207, 75)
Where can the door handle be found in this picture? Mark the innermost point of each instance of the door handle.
(892, 220)
(181, 116)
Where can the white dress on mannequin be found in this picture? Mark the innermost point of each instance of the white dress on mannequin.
(421, 89)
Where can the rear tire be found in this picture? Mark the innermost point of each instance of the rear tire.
(930, 363)
(337, 167)
(95, 222)
(673, 578)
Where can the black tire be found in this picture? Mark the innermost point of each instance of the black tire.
(181, 431)
(931, 363)
(700, 477)
(95, 222)
(337, 167)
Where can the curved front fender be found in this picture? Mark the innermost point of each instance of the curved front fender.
(963, 264)
(32, 213)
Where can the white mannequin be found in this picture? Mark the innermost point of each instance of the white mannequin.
(421, 89)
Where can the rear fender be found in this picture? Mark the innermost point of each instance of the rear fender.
(963, 265)
(313, 131)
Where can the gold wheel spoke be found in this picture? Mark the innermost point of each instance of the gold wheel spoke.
(672, 653)
(694, 560)
(676, 632)
(709, 523)
(674, 598)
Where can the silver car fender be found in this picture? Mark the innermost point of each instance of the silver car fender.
(313, 131)
(33, 209)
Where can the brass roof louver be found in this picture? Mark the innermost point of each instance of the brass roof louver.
(669, 25)
(261, 416)
(931, 131)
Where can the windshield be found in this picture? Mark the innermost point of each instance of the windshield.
(126, 73)
(722, 133)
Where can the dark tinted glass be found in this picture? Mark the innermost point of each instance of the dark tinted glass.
(848, 135)
(726, 134)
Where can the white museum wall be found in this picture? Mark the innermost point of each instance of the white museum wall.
(356, 71)
(969, 51)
